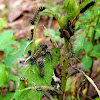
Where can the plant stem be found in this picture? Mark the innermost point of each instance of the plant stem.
(34, 35)
(51, 37)
(45, 89)
(64, 70)
(54, 15)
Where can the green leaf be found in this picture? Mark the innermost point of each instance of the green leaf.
(1, 97)
(13, 77)
(9, 60)
(54, 99)
(88, 46)
(64, 19)
(6, 39)
(97, 35)
(79, 44)
(28, 94)
(95, 54)
(5, 36)
(32, 74)
(97, 98)
(48, 70)
(8, 96)
(68, 84)
(97, 26)
(84, 18)
(23, 44)
(3, 75)
(96, 9)
(88, 14)
(87, 62)
(77, 24)
(97, 48)
(96, 51)
(8, 44)
(80, 27)
(53, 6)
(98, 30)
(55, 34)
(9, 50)
(70, 6)
(91, 31)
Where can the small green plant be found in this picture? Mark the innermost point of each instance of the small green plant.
(7, 51)
(37, 85)
(88, 40)
(10, 51)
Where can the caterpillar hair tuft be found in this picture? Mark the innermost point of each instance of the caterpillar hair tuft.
(42, 8)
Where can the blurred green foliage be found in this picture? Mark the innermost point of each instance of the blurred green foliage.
(11, 51)
(54, 99)
(97, 98)
(7, 46)
(69, 5)
(8, 96)
(3, 23)
(55, 34)
(3, 75)
(89, 23)
(53, 6)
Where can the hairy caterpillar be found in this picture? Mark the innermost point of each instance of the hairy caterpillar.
(64, 33)
(69, 30)
(34, 19)
(36, 15)
(87, 6)
(40, 52)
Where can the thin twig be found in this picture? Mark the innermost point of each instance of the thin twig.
(45, 89)
(52, 39)
(64, 70)
(50, 22)
(34, 35)
(89, 79)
